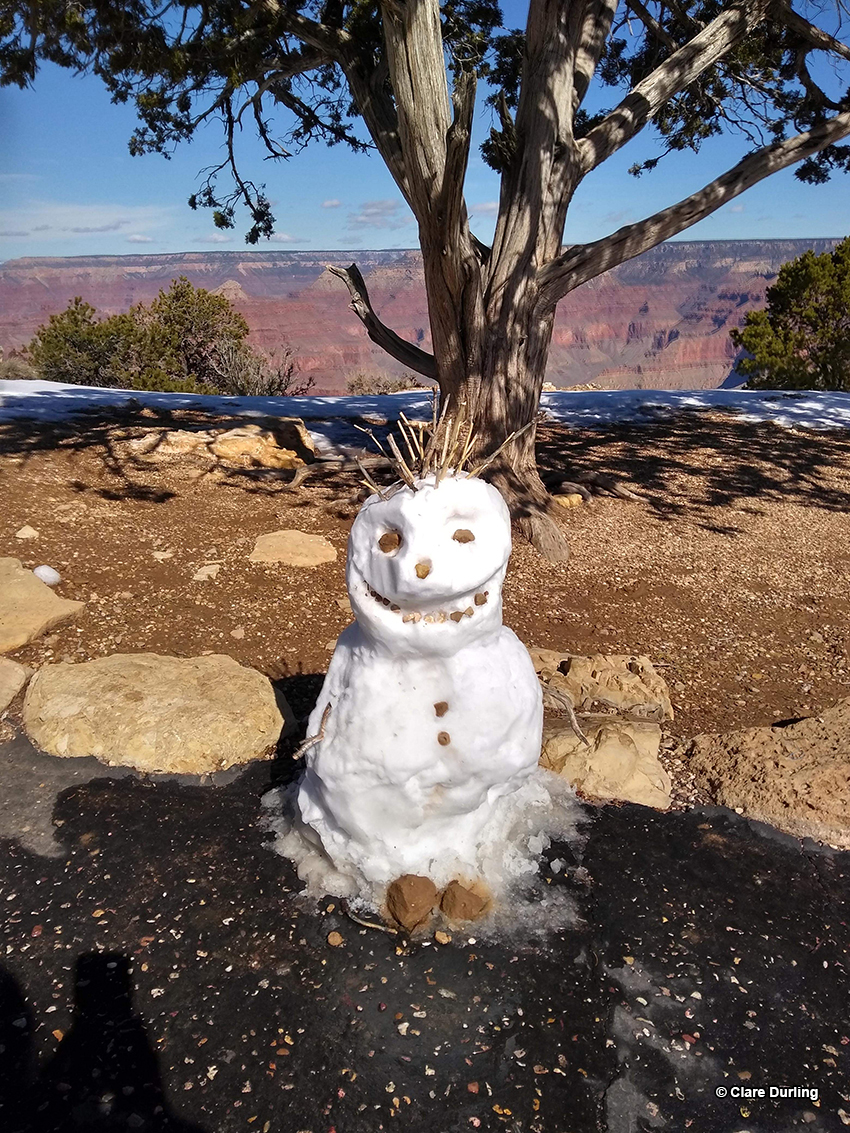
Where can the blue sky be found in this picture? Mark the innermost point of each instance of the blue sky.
(69, 187)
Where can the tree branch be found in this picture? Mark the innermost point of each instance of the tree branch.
(414, 51)
(378, 112)
(676, 73)
(586, 261)
(329, 39)
(405, 352)
(458, 137)
(651, 24)
(595, 28)
(812, 34)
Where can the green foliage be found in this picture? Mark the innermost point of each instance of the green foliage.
(802, 339)
(78, 348)
(187, 340)
(184, 331)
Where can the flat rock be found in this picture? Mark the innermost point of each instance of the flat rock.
(286, 445)
(255, 446)
(27, 606)
(797, 777)
(192, 715)
(13, 677)
(621, 763)
(622, 682)
(293, 548)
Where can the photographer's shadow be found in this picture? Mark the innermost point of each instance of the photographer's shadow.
(104, 1075)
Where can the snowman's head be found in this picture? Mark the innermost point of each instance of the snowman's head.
(426, 565)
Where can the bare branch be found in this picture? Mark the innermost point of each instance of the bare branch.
(405, 352)
(813, 35)
(331, 40)
(579, 264)
(651, 24)
(676, 73)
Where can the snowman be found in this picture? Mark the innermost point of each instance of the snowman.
(430, 717)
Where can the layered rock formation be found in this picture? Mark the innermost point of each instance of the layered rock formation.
(660, 321)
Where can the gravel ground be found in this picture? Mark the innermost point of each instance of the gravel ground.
(160, 970)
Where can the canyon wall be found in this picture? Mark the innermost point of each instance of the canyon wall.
(660, 321)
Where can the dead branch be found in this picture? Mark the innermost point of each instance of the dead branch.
(405, 352)
(561, 701)
(313, 740)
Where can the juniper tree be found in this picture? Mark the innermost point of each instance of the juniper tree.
(801, 340)
(408, 71)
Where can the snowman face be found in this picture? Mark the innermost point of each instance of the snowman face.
(425, 567)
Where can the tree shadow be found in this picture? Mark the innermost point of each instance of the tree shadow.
(694, 462)
(104, 1075)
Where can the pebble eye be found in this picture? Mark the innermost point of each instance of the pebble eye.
(390, 541)
(462, 535)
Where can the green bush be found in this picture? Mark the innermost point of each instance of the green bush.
(802, 339)
(184, 341)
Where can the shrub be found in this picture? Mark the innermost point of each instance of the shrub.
(187, 340)
(380, 382)
(15, 368)
(802, 339)
(244, 372)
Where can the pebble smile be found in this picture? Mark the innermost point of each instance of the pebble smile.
(435, 618)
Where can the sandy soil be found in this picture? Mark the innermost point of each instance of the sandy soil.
(732, 574)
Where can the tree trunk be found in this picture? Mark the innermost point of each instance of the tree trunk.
(495, 377)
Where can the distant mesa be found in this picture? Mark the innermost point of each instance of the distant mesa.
(661, 321)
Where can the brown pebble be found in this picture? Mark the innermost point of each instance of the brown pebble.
(441, 708)
(469, 611)
(456, 616)
(389, 541)
(410, 900)
(335, 940)
(423, 569)
(443, 738)
(464, 902)
(480, 599)
(442, 937)
(463, 535)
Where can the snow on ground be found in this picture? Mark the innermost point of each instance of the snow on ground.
(51, 401)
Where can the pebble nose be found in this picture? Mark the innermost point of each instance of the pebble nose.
(423, 569)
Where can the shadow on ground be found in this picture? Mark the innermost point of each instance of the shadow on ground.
(710, 953)
(726, 461)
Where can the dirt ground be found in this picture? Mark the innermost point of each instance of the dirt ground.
(732, 574)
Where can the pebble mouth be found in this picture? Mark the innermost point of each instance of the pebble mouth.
(434, 617)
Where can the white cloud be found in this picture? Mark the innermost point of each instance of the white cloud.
(485, 208)
(136, 238)
(736, 208)
(58, 222)
(285, 238)
(213, 238)
(379, 214)
(333, 204)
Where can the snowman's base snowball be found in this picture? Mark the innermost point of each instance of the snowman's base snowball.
(507, 857)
